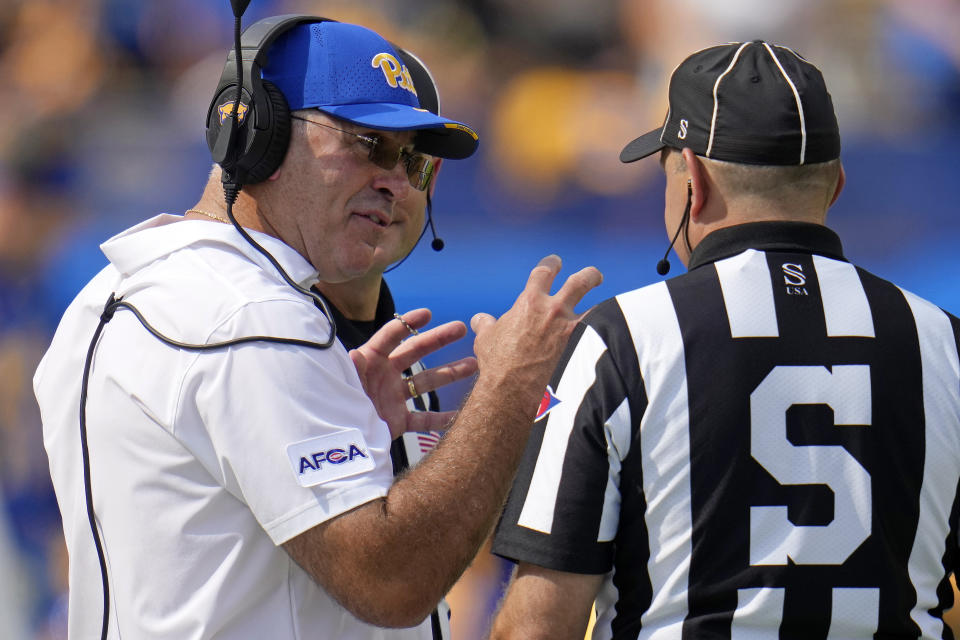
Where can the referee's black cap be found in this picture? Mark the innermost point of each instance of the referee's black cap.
(746, 102)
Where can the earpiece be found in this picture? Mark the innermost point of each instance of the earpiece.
(663, 266)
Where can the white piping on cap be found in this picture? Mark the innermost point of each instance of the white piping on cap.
(666, 121)
(796, 96)
(716, 85)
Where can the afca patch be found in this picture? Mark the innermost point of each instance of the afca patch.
(338, 455)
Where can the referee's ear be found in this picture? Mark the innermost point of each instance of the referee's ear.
(841, 181)
(699, 183)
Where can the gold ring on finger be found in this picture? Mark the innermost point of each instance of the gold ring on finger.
(410, 386)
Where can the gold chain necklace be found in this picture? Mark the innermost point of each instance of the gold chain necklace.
(209, 215)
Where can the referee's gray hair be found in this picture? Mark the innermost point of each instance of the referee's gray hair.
(771, 181)
(779, 182)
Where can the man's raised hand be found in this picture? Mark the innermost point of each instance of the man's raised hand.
(525, 343)
(381, 361)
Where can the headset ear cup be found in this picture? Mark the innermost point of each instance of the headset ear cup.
(279, 135)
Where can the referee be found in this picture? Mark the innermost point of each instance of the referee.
(766, 446)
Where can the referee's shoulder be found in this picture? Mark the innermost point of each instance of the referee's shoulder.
(609, 314)
(868, 278)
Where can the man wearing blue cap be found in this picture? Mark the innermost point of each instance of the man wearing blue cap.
(230, 474)
(765, 446)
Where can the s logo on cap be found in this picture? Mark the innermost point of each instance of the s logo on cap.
(395, 73)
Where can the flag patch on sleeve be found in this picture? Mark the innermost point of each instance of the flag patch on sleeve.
(547, 403)
(417, 444)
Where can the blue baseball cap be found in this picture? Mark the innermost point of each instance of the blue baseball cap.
(350, 72)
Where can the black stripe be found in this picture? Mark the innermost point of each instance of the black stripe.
(398, 455)
(572, 343)
(435, 625)
(955, 324)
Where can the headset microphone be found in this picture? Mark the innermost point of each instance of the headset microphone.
(663, 266)
(437, 243)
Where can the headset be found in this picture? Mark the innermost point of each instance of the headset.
(248, 124)
(249, 147)
(248, 133)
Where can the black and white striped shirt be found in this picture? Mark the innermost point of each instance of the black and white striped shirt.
(768, 442)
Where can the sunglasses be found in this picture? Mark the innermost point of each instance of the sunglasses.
(386, 155)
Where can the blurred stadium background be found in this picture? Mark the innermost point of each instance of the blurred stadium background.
(101, 125)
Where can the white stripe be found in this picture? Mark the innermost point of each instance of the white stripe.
(795, 54)
(578, 377)
(941, 471)
(617, 432)
(796, 97)
(716, 105)
(606, 607)
(665, 455)
(748, 295)
(845, 306)
(443, 616)
(759, 613)
(855, 612)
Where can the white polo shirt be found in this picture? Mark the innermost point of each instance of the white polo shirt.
(203, 463)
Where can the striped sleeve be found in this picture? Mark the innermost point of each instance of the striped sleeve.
(934, 550)
(563, 511)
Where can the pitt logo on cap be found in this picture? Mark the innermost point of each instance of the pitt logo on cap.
(227, 108)
(397, 74)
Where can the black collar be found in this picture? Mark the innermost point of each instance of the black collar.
(353, 333)
(800, 237)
